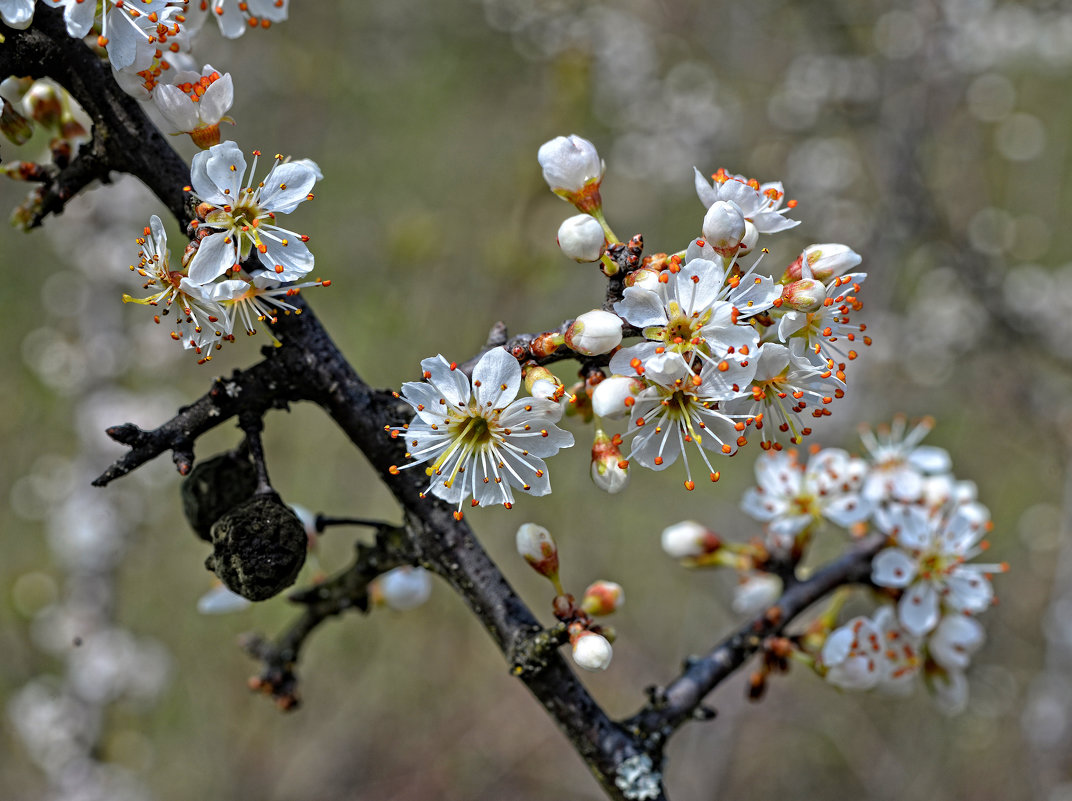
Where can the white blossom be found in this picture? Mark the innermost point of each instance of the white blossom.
(478, 440)
(17, 14)
(759, 204)
(243, 218)
(687, 539)
(724, 227)
(929, 562)
(900, 466)
(195, 104)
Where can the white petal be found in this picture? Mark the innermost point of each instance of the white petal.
(892, 567)
(496, 379)
(286, 186)
(918, 608)
(177, 107)
(641, 307)
(295, 258)
(215, 256)
(217, 100)
(452, 384)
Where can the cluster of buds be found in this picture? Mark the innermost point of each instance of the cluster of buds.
(589, 641)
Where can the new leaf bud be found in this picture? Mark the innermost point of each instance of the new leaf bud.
(258, 548)
(602, 598)
(688, 539)
(595, 332)
(723, 227)
(214, 487)
(609, 468)
(581, 238)
(536, 546)
(591, 651)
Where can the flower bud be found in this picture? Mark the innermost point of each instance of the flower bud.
(258, 547)
(15, 127)
(756, 592)
(405, 588)
(44, 105)
(535, 544)
(595, 332)
(542, 383)
(609, 469)
(749, 240)
(602, 598)
(723, 227)
(614, 396)
(221, 601)
(591, 651)
(569, 163)
(805, 295)
(645, 278)
(688, 539)
(581, 238)
(823, 262)
(214, 487)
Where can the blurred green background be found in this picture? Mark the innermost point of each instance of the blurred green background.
(929, 136)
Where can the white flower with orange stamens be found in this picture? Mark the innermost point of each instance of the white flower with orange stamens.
(243, 218)
(759, 204)
(699, 311)
(928, 562)
(682, 408)
(476, 440)
(199, 321)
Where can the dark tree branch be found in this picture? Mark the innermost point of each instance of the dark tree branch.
(308, 366)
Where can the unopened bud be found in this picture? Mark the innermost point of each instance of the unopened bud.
(541, 382)
(610, 472)
(723, 227)
(645, 278)
(805, 295)
(823, 262)
(591, 651)
(13, 125)
(44, 105)
(581, 238)
(573, 170)
(405, 588)
(615, 396)
(756, 592)
(749, 240)
(689, 539)
(536, 546)
(595, 332)
(602, 598)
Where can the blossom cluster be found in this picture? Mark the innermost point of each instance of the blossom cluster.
(214, 290)
(723, 347)
(928, 590)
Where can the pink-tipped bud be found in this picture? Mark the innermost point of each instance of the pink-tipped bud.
(581, 238)
(44, 105)
(602, 598)
(536, 546)
(823, 262)
(723, 227)
(805, 295)
(591, 651)
(595, 332)
(573, 170)
(610, 472)
(542, 383)
(13, 125)
(688, 539)
(615, 396)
